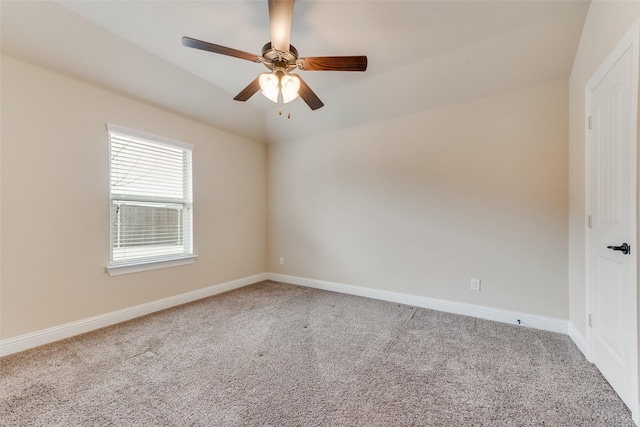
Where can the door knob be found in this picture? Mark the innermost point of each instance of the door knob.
(624, 248)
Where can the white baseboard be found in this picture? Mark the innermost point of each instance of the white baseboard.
(56, 333)
(488, 313)
(580, 341)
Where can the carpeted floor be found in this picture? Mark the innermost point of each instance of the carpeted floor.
(274, 354)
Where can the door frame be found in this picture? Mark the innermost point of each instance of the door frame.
(631, 40)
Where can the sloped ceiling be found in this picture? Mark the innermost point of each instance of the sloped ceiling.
(422, 54)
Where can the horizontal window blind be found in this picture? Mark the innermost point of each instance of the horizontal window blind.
(151, 198)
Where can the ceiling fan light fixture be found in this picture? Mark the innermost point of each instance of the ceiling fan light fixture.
(270, 85)
(279, 82)
(290, 87)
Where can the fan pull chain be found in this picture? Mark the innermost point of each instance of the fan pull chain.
(288, 113)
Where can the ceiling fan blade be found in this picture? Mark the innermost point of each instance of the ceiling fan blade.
(223, 50)
(308, 95)
(280, 17)
(249, 91)
(333, 63)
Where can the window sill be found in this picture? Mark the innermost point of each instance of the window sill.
(117, 270)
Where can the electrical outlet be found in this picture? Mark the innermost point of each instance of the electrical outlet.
(281, 260)
(475, 285)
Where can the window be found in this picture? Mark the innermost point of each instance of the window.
(151, 201)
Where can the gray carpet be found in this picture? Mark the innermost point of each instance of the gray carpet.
(280, 355)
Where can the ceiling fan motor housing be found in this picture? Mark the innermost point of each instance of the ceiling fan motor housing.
(275, 59)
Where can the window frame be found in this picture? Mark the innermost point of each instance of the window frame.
(158, 261)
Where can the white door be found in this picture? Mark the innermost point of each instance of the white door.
(612, 268)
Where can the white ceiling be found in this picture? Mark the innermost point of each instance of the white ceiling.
(422, 54)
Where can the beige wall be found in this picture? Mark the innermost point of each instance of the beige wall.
(422, 203)
(55, 202)
(606, 23)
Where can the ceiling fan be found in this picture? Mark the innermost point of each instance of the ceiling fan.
(280, 57)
